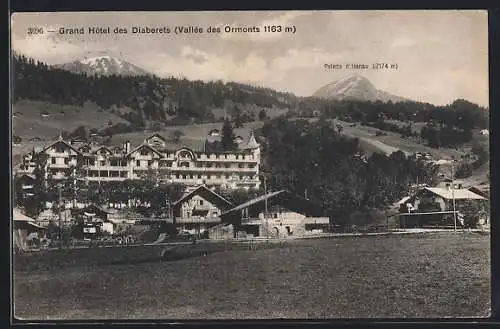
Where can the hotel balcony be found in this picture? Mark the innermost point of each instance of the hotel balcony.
(105, 179)
(59, 155)
(107, 167)
(204, 169)
(230, 158)
(59, 166)
(196, 220)
(59, 176)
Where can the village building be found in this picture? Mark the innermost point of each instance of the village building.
(199, 209)
(430, 205)
(169, 162)
(277, 214)
(482, 190)
(23, 227)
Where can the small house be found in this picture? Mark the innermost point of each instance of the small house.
(432, 205)
(23, 226)
(214, 133)
(277, 214)
(199, 209)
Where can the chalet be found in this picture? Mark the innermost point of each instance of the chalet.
(277, 214)
(481, 190)
(95, 219)
(26, 183)
(199, 209)
(23, 226)
(214, 132)
(433, 204)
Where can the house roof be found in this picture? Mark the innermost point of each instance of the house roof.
(252, 142)
(214, 197)
(457, 194)
(157, 135)
(289, 200)
(483, 191)
(24, 222)
(19, 216)
(61, 140)
(144, 145)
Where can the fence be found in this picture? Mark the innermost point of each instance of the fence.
(365, 228)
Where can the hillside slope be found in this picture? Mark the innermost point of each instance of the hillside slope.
(42, 120)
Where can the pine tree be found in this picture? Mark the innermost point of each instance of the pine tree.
(227, 139)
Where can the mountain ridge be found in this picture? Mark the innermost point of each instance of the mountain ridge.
(355, 87)
(103, 66)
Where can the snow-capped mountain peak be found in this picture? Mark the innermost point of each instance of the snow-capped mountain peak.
(103, 65)
(355, 87)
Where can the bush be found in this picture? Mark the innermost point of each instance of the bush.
(464, 170)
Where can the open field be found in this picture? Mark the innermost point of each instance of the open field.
(415, 275)
(45, 120)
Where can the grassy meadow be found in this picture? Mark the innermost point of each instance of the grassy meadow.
(388, 276)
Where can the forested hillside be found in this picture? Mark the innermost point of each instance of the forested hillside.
(150, 98)
(142, 99)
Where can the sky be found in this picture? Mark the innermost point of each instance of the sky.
(440, 55)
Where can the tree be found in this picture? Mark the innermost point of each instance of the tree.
(79, 132)
(34, 204)
(227, 139)
(238, 121)
(175, 136)
(262, 115)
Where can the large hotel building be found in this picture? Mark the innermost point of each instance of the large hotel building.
(156, 156)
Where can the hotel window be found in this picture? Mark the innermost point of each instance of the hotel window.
(66, 161)
(201, 202)
(225, 156)
(92, 162)
(150, 163)
(226, 165)
(216, 156)
(123, 174)
(138, 163)
(241, 165)
(102, 163)
(53, 160)
(144, 152)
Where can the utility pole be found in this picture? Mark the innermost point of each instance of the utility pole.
(60, 217)
(265, 205)
(453, 196)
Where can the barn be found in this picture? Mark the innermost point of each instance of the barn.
(277, 214)
(23, 226)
